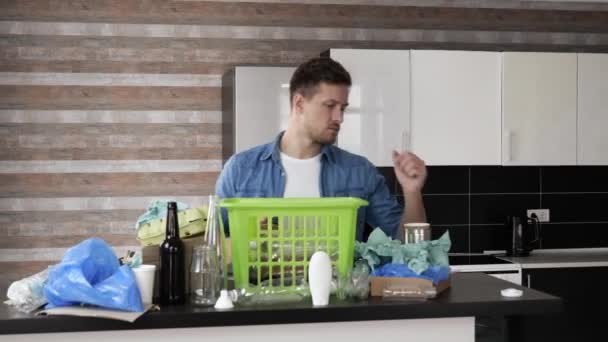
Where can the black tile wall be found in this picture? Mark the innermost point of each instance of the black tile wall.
(575, 179)
(440, 180)
(459, 235)
(494, 209)
(590, 207)
(447, 209)
(473, 203)
(498, 179)
(574, 235)
(487, 237)
(447, 180)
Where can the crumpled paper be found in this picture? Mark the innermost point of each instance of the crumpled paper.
(381, 249)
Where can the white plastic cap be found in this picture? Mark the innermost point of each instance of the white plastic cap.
(224, 302)
(511, 292)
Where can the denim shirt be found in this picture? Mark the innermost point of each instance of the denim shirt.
(258, 172)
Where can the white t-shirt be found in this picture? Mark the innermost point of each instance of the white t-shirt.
(301, 176)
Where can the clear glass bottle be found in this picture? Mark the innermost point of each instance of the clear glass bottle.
(207, 268)
(214, 237)
(204, 274)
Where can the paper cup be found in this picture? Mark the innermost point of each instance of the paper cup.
(144, 275)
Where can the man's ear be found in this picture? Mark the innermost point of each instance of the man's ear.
(298, 103)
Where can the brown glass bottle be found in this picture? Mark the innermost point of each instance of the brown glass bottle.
(172, 274)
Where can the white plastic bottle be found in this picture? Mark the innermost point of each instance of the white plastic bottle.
(319, 278)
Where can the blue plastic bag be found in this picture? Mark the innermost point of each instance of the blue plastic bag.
(89, 273)
(433, 273)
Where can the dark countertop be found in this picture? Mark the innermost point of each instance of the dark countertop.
(471, 294)
(588, 257)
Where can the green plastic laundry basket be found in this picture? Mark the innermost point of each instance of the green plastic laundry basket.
(273, 238)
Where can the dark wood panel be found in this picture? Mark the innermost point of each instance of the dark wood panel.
(307, 15)
(117, 97)
(90, 60)
(42, 225)
(97, 66)
(63, 216)
(92, 129)
(170, 43)
(126, 141)
(109, 153)
(59, 241)
(187, 55)
(107, 184)
(37, 225)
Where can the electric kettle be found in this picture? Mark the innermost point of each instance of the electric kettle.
(521, 235)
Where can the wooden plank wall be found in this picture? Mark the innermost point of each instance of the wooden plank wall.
(106, 105)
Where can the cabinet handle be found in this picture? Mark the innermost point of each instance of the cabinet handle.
(405, 140)
(529, 281)
(508, 136)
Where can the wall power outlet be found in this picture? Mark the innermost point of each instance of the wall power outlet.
(542, 214)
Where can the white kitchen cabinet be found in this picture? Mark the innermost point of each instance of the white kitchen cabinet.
(456, 106)
(592, 109)
(255, 106)
(539, 108)
(377, 119)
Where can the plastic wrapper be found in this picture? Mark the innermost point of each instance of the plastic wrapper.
(89, 273)
(355, 284)
(27, 294)
(411, 292)
(269, 295)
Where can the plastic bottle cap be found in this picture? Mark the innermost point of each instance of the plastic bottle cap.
(511, 292)
(224, 302)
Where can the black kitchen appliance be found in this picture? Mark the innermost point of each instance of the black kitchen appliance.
(521, 235)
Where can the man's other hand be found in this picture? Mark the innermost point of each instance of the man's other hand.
(410, 171)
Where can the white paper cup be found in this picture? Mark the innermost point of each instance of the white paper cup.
(144, 275)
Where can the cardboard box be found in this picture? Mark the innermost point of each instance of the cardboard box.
(151, 255)
(379, 283)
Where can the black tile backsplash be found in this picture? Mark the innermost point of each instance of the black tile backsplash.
(474, 201)
(440, 180)
(459, 235)
(487, 237)
(447, 180)
(577, 207)
(494, 209)
(447, 209)
(499, 179)
(575, 179)
(574, 235)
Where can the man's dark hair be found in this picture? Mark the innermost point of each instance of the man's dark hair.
(307, 77)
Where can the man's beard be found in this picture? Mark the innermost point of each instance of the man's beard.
(325, 139)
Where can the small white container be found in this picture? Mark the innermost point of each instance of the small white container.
(319, 278)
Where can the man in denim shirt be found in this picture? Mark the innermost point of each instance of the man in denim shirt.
(303, 162)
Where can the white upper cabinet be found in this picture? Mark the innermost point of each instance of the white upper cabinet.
(539, 108)
(456, 107)
(377, 118)
(256, 106)
(592, 109)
